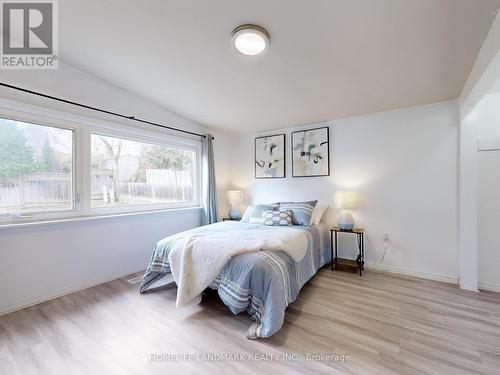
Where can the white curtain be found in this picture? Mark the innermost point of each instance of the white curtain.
(209, 196)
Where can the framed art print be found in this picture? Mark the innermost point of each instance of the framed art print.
(270, 156)
(311, 152)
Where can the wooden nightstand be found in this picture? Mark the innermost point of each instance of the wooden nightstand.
(343, 264)
(229, 219)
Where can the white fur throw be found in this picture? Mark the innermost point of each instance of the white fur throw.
(196, 260)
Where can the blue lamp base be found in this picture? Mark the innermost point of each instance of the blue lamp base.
(234, 213)
(345, 221)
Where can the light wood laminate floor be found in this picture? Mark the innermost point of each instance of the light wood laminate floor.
(385, 324)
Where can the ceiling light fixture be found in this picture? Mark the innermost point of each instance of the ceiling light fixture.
(250, 40)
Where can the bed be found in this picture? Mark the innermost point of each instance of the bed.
(262, 283)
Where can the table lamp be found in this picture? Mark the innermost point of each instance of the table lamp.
(234, 197)
(346, 201)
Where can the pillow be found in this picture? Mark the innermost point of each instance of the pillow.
(253, 214)
(318, 212)
(301, 211)
(275, 218)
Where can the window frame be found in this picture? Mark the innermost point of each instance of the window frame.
(157, 141)
(82, 128)
(75, 210)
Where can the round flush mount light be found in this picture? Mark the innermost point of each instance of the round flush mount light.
(250, 40)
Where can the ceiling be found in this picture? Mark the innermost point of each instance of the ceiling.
(328, 59)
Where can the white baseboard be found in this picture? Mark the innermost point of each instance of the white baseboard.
(409, 272)
(65, 291)
(492, 287)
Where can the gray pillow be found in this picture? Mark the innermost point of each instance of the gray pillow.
(301, 211)
(277, 218)
(253, 214)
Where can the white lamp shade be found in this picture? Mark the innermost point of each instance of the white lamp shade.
(234, 197)
(346, 200)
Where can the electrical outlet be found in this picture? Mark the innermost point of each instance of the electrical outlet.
(387, 242)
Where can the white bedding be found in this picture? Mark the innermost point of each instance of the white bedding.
(196, 260)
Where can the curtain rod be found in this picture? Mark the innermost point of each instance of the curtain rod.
(100, 110)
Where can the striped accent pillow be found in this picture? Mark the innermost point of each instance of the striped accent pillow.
(282, 217)
(301, 211)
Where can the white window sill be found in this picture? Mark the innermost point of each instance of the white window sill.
(28, 224)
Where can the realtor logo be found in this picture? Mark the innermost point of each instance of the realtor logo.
(29, 34)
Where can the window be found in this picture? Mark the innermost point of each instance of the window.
(131, 173)
(55, 165)
(36, 169)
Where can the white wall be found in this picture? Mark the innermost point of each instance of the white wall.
(467, 202)
(403, 164)
(484, 74)
(44, 261)
(49, 260)
(487, 120)
(485, 71)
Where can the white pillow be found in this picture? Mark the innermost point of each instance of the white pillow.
(248, 214)
(318, 212)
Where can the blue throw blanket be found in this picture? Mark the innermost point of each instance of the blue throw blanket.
(263, 283)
